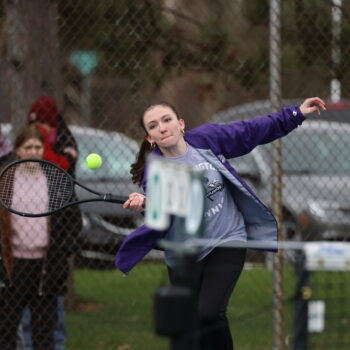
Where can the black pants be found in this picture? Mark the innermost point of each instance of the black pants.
(25, 293)
(215, 278)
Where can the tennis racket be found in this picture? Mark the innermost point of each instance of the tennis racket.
(22, 180)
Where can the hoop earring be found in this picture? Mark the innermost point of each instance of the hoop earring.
(153, 145)
(183, 132)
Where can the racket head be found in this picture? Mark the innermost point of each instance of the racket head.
(22, 182)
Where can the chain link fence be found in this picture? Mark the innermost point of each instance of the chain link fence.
(103, 61)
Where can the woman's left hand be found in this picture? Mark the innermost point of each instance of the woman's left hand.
(312, 104)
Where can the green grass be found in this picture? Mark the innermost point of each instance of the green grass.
(116, 312)
(250, 309)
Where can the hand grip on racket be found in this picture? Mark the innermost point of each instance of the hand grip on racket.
(37, 172)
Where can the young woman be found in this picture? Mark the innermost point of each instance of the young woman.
(233, 212)
(34, 252)
(60, 147)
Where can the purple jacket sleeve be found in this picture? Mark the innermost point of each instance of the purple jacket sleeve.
(136, 246)
(239, 138)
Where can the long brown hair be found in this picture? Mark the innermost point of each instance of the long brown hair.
(138, 168)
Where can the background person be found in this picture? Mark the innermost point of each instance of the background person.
(6, 150)
(233, 212)
(25, 338)
(24, 341)
(35, 251)
(60, 147)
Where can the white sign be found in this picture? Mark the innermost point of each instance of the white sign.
(174, 189)
(327, 256)
(316, 315)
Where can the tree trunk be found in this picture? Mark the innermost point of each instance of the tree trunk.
(32, 67)
(32, 55)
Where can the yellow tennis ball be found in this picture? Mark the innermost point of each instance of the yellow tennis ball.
(93, 161)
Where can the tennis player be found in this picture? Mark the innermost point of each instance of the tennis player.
(233, 211)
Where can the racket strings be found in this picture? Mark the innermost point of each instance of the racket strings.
(60, 187)
(35, 188)
(6, 187)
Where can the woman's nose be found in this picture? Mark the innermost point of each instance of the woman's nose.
(32, 151)
(161, 127)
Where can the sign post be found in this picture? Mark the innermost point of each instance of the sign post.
(86, 61)
(310, 313)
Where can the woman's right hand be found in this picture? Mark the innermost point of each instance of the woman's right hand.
(136, 202)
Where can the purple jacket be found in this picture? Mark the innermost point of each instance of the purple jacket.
(217, 143)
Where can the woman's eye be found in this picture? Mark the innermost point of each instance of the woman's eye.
(167, 120)
(152, 127)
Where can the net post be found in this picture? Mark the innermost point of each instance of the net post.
(171, 187)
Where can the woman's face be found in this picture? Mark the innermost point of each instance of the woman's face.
(163, 127)
(32, 148)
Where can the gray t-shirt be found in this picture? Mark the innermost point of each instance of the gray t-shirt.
(222, 220)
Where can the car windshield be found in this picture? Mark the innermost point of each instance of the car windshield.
(317, 151)
(117, 154)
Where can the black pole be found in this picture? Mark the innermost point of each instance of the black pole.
(302, 296)
(175, 306)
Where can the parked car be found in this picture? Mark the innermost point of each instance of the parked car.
(104, 224)
(336, 111)
(316, 173)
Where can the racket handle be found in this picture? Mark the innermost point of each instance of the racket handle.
(108, 197)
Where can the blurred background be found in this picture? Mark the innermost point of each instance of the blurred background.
(216, 61)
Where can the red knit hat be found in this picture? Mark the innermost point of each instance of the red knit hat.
(44, 110)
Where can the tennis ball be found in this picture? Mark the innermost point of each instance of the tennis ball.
(93, 161)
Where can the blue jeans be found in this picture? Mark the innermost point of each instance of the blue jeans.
(25, 334)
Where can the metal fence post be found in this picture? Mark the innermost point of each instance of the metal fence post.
(275, 98)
